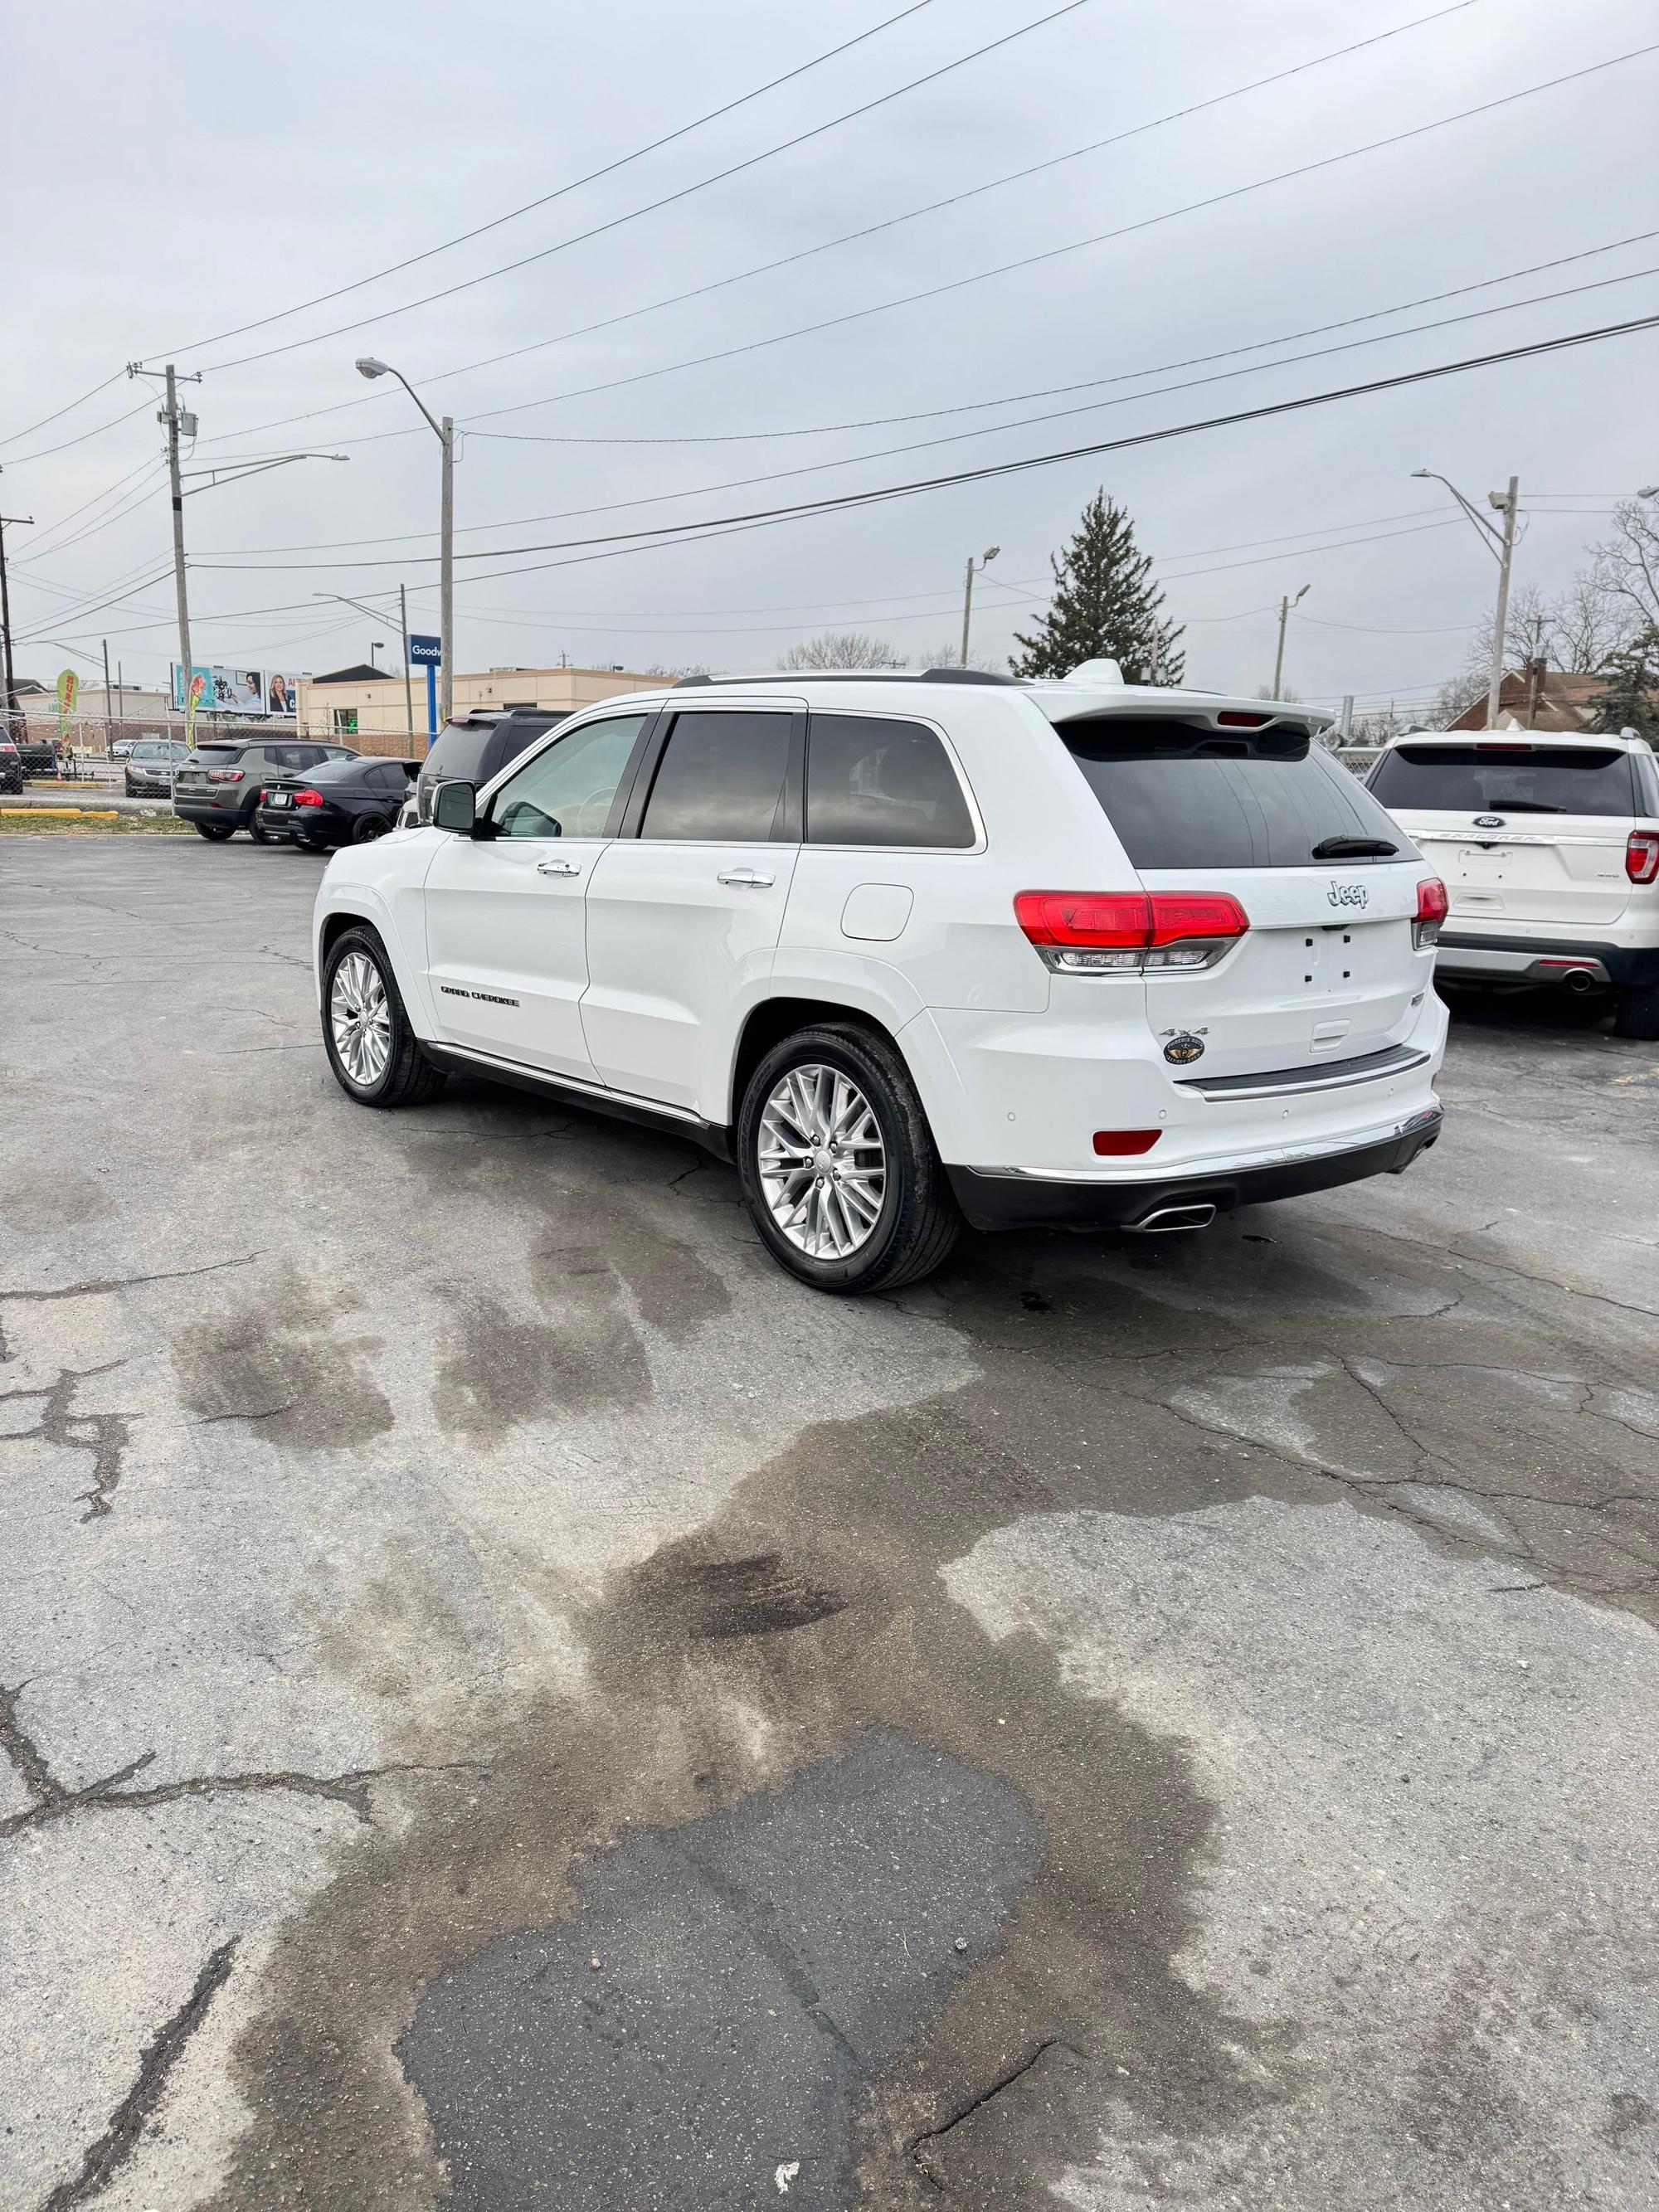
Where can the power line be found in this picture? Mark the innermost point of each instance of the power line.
(653, 207)
(608, 168)
(886, 452)
(58, 414)
(674, 535)
(981, 276)
(45, 453)
(933, 207)
(695, 532)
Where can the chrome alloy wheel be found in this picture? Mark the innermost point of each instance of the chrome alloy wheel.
(361, 1019)
(822, 1162)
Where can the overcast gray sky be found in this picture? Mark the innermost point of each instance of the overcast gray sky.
(177, 171)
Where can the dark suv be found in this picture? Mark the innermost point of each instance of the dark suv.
(475, 747)
(217, 787)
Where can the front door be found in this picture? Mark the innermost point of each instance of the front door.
(506, 958)
(683, 920)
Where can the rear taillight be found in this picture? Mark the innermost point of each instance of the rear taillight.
(1430, 913)
(308, 797)
(1107, 933)
(1642, 855)
(224, 775)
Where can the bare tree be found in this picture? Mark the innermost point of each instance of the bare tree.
(1592, 622)
(950, 656)
(848, 648)
(675, 668)
(1460, 691)
(1627, 562)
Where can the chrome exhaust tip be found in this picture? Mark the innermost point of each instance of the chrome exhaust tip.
(1165, 1220)
(1581, 981)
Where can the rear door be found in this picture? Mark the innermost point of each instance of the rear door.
(1327, 969)
(683, 919)
(1522, 830)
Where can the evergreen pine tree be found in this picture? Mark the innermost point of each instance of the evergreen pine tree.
(1104, 607)
(1629, 697)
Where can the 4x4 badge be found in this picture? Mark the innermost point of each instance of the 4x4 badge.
(1184, 1049)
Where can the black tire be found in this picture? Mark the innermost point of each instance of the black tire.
(216, 832)
(260, 836)
(409, 1079)
(919, 1221)
(1638, 1012)
(368, 827)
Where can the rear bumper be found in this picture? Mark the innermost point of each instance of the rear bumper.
(1461, 957)
(1019, 1201)
(227, 809)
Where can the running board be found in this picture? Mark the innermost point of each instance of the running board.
(621, 1105)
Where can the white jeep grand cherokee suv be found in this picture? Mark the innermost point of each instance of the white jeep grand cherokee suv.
(916, 949)
(1549, 845)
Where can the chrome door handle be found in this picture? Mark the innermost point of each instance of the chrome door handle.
(558, 867)
(749, 879)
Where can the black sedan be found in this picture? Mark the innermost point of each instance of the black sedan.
(11, 766)
(348, 802)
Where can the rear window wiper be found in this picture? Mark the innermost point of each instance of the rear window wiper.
(1353, 848)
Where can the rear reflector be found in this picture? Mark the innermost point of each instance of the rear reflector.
(1641, 856)
(1120, 1144)
(1080, 932)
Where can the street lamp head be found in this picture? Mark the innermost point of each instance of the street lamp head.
(368, 366)
(1649, 491)
(1302, 594)
(991, 552)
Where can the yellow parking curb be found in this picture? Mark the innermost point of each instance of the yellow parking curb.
(81, 813)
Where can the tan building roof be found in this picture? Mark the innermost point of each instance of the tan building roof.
(373, 708)
(1537, 697)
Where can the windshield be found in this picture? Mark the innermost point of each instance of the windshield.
(1180, 796)
(1495, 778)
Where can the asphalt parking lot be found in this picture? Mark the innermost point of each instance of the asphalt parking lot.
(503, 1693)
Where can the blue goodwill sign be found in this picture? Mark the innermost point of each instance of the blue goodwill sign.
(425, 651)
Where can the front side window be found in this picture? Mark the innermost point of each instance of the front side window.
(876, 782)
(567, 791)
(721, 778)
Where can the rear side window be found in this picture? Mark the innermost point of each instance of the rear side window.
(1514, 779)
(721, 778)
(875, 782)
(1182, 797)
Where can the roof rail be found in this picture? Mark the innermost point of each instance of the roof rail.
(965, 676)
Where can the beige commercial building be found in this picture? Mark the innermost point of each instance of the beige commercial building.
(365, 708)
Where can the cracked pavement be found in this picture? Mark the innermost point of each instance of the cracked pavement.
(504, 1699)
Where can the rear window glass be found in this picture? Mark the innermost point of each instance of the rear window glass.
(874, 782)
(458, 752)
(1497, 779)
(1182, 797)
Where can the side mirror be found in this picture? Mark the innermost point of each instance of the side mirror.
(455, 807)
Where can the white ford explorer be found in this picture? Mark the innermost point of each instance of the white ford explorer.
(1549, 846)
(914, 949)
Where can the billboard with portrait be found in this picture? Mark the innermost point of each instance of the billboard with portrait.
(237, 691)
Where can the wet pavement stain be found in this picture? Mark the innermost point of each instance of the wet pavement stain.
(724, 1995)
(286, 1365)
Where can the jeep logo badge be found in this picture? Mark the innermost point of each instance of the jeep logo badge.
(1184, 1049)
(1348, 895)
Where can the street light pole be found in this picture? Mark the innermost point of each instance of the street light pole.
(409, 688)
(1506, 507)
(1285, 605)
(1500, 544)
(18, 521)
(445, 433)
(171, 418)
(989, 556)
